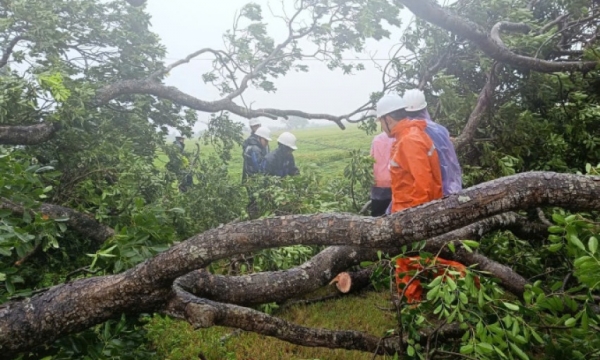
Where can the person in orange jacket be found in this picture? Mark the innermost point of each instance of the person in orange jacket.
(414, 164)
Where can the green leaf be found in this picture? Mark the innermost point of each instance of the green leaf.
(410, 350)
(487, 348)
(466, 349)
(555, 247)
(2, 276)
(433, 293)
(593, 244)
(515, 349)
(451, 283)
(570, 322)
(584, 321)
(556, 229)
(573, 239)
(435, 282)
(452, 247)
(470, 243)
(510, 306)
(537, 336)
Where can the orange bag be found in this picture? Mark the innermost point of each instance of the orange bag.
(414, 290)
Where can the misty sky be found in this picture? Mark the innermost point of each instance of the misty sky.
(189, 25)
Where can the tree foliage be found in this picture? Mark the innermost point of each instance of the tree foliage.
(93, 226)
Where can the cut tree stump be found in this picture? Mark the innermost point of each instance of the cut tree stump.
(347, 282)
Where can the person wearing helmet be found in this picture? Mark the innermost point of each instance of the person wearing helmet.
(179, 143)
(281, 162)
(414, 165)
(254, 158)
(254, 125)
(252, 139)
(416, 108)
(255, 152)
(179, 164)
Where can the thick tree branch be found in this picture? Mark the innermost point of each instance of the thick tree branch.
(130, 87)
(510, 280)
(27, 134)
(507, 26)
(202, 313)
(9, 49)
(553, 23)
(277, 286)
(430, 11)
(75, 306)
(84, 224)
(484, 101)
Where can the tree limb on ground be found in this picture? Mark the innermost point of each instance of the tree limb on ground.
(75, 306)
(84, 224)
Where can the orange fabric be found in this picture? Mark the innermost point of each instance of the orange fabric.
(414, 166)
(414, 290)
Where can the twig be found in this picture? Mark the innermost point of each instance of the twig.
(543, 217)
(85, 269)
(29, 254)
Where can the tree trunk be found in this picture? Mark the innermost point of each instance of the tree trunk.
(75, 306)
(347, 282)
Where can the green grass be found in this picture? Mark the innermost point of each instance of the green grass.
(325, 147)
(176, 340)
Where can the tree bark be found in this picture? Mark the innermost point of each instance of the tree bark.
(27, 134)
(75, 306)
(84, 224)
(484, 102)
(276, 286)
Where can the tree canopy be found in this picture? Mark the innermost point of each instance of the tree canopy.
(93, 226)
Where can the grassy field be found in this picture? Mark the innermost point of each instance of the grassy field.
(325, 147)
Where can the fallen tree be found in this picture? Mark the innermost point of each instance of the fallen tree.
(176, 282)
(77, 305)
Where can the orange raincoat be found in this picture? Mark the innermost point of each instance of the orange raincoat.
(414, 166)
(414, 290)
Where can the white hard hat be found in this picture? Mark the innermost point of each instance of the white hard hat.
(264, 133)
(389, 103)
(288, 139)
(414, 100)
(254, 122)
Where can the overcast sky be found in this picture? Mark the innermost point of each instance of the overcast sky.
(189, 25)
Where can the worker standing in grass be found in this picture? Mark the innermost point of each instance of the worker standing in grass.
(179, 164)
(281, 162)
(416, 109)
(254, 162)
(414, 165)
(381, 192)
(254, 125)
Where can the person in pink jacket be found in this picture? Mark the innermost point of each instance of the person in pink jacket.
(381, 192)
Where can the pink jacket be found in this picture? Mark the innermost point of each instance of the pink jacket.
(381, 149)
